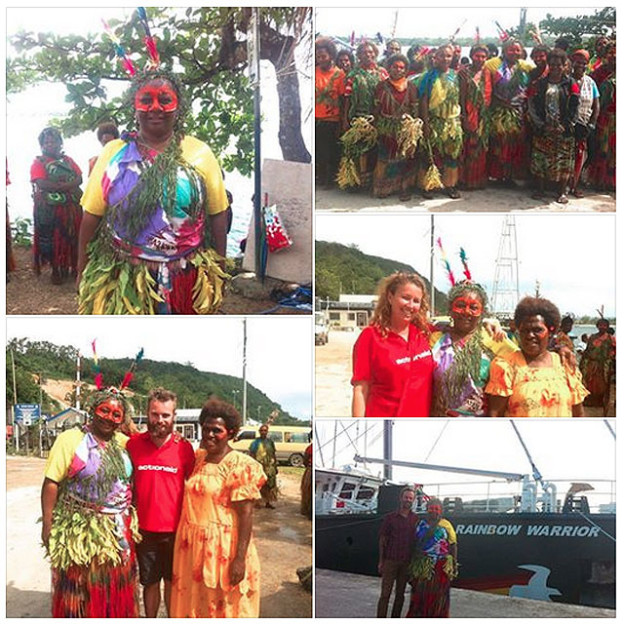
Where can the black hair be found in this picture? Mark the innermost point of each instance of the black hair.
(107, 128)
(325, 43)
(557, 53)
(216, 408)
(532, 306)
(49, 131)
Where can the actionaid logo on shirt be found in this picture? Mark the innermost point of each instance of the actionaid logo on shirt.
(402, 361)
(156, 467)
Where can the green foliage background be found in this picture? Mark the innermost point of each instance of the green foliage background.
(192, 386)
(340, 268)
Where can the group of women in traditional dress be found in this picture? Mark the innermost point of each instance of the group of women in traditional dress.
(425, 121)
(90, 526)
(405, 366)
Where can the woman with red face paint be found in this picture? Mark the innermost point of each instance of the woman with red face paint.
(392, 362)
(89, 525)
(154, 232)
(462, 355)
(216, 571)
(534, 382)
(434, 565)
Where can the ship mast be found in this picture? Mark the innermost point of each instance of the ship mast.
(387, 449)
(506, 291)
(431, 265)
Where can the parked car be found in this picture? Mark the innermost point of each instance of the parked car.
(290, 441)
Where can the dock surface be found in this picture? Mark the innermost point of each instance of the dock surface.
(345, 595)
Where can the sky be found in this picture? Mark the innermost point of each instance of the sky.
(580, 450)
(571, 255)
(279, 348)
(431, 22)
(30, 111)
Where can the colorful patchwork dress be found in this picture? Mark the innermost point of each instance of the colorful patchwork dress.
(432, 569)
(461, 371)
(535, 391)
(207, 539)
(94, 528)
(160, 262)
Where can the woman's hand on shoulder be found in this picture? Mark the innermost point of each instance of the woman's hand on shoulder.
(494, 329)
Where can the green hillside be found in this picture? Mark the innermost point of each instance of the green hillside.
(345, 269)
(192, 386)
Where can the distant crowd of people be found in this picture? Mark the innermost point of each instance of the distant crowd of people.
(432, 119)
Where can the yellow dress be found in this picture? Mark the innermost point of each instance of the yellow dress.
(535, 392)
(207, 537)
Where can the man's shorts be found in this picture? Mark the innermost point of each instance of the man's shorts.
(155, 556)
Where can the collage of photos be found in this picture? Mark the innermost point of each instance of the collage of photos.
(156, 466)
(311, 306)
(465, 269)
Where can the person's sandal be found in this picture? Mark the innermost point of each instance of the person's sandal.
(562, 199)
(453, 193)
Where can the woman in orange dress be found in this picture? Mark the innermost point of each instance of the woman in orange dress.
(216, 571)
(534, 382)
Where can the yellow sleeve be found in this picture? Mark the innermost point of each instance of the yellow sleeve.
(198, 154)
(450, 530)
(93, 197)
(246, 478)
(503, 348)
(62, 454)
(501, 378)
(122, 439)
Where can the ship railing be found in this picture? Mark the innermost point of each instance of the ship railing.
(496, 496)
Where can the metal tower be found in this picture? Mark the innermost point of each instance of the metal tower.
(505, 291)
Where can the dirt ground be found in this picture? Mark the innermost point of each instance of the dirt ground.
(29, 294)
(283, 539)
(493, 199)
(333, 377)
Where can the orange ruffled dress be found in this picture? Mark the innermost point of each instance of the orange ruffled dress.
(535, 391)
(207, 537)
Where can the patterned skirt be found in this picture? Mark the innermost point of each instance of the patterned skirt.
(431, 597)
(552, 157)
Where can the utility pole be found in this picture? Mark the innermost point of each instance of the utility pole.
(244, 371)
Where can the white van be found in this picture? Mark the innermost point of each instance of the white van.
(290, 441)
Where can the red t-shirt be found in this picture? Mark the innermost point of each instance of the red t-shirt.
(329, 87)
(38, 170)
(159, 474)
(399, 372)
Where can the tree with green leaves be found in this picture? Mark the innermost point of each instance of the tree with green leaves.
(580, 31)
(205, 46)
